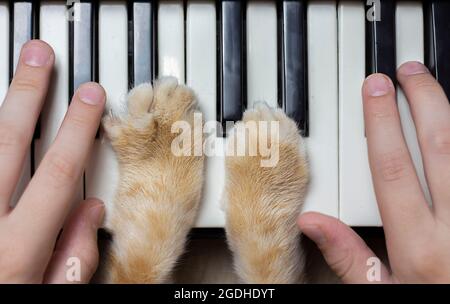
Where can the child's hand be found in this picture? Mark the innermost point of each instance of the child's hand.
(417, 236)
(28, 233)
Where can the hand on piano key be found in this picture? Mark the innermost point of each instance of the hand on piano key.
(233, 54)
(417, 234)
(29, 231)
(122, 44)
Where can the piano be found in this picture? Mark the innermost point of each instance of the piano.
(307, 57)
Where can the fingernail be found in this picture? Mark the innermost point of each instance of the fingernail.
(96, 214)
(36, 55)
(412, 68)
(314, 233)
(378, 85)
(91, 94)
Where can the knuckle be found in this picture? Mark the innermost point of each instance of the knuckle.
(343, 265)
(381, 114)
(423, 82)
(440, 142)
(10, 140)
(26, 84)
(393, 165)
(78, 121)
(382, 110)
(61, 169)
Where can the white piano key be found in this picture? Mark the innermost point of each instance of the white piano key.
(53, 29)
(262, 58)
(4, 51)
(201, 55)
(322, 143)
(201, 63)
(410, 47)
(102, 172)
(357, 203)
(171, 39)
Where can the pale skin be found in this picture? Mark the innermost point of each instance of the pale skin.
(417, 236)
(28, 233)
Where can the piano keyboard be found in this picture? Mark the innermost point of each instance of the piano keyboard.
(307, 57)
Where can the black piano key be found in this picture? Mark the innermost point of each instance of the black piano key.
(231, 62)
(141, 42)
(380, 39)
(83, 50)
(81, 46)
(293, 66)
(437, 42)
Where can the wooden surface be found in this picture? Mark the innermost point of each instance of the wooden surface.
(208, 260)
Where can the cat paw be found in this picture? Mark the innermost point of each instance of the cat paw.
(262, 134)
(274, 159)
(136, 117)
(158, 191)
(263, 200)
(145, 127)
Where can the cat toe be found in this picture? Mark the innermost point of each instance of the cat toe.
(112, 126)
(164, 87)
(140, 99)
(173, 101)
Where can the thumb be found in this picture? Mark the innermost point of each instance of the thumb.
(75, 259)
(344, 251)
